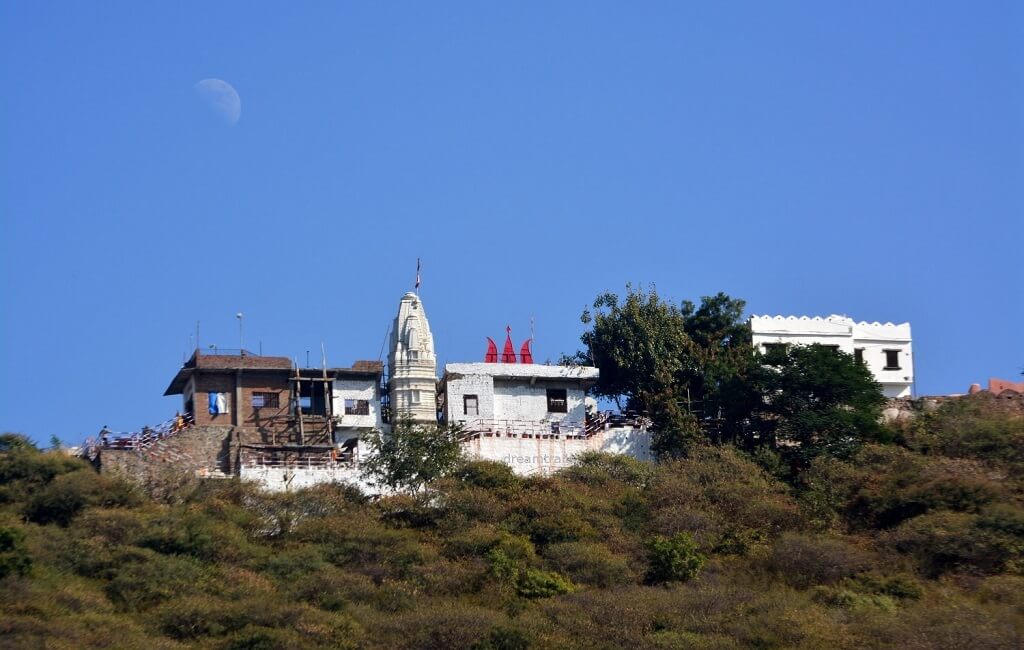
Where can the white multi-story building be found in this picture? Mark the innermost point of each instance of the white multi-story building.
(533, 417)
(884, 347)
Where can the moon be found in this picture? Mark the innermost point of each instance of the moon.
(221, 98)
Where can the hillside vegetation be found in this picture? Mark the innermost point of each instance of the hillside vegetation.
(914, 542)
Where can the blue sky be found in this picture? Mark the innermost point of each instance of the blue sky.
(811, 158)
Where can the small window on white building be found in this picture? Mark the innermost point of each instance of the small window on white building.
(858, 355)
(892, 360)
(414, 397)
(470, 405)
(357, 407)
(557, 401)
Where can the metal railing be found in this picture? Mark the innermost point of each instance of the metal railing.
(136, 440)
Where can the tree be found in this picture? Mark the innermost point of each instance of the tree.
(806, 401)
(666, 361)
(413, 455)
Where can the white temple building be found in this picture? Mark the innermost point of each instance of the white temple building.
(884, 347)
(412, 363)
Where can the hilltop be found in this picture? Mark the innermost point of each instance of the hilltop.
(914, 543)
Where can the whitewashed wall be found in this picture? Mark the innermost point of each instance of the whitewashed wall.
(528, 456)
(357, 389)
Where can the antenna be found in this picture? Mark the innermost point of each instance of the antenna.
(241, 348)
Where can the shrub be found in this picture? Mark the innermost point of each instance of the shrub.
(62, 499)
(488, 474)
(803, 560)
(597, 468)
(14, 559)
(951, 541)
(534, 583)
(152, 579)
(673, 558)
(590, 563)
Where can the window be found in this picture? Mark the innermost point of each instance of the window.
(858, 355)
(892, 360)
(414, 397)
(311, 398)
(414, 355)
(470, 405)
(357, 407)
(557, 402)
(265, 400)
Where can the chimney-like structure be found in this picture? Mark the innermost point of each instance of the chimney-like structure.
(412, 363)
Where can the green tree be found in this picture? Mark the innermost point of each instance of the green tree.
(412, 455)
(667, 361)
(812, 400)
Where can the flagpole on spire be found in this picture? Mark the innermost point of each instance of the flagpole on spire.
(417, 277)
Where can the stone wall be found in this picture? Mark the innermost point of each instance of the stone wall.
(196, 451)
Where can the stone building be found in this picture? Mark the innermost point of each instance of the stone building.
(884, 347)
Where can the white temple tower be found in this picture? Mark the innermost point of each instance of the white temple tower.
(412, 363)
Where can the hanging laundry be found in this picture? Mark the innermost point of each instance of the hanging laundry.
(213, 403)
(222, 402)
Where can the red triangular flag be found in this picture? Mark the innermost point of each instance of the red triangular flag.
(492, 351)
(525, 355)
(508, 355)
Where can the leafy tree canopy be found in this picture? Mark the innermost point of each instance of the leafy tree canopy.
(412, 455)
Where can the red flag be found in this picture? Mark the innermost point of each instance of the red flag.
(492, 351)
(508, 355)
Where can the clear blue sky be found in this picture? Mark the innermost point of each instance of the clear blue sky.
(811, 158)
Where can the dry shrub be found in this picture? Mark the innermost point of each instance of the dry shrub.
(804, 560)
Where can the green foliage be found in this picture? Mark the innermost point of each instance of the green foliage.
(670, 362)
(66, 495)
(413, 455)
(14, 558)
(897, 545)
(673, 558)
(597, 468)
(810, 401)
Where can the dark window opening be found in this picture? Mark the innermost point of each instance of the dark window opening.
(311, 398)
(266, 400)
(892, 360)
(357, 407)
(470, 405)
(858, 355)
(557, 401)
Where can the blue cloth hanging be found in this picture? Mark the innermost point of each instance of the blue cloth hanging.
(213, 403)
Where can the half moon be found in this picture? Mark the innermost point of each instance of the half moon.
(221, 98)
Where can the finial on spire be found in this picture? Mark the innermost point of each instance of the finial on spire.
(417, 276)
